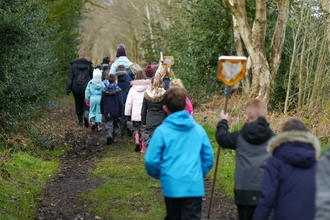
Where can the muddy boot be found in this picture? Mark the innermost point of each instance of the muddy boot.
(109, 140)
(86, 113)
(98, 127)
(93, 124)
(115, 138)
(137, 142)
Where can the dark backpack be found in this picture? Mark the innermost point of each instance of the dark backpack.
(105, 69)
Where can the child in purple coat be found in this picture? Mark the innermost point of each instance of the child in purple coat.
(288, 184)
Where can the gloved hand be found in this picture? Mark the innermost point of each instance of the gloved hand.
(87, 102)
(68, 92)
(128, 118)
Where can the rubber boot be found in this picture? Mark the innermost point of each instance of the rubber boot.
(137, 142)
(143, 148)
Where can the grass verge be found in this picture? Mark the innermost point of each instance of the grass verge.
(23, 178)
(128, 192)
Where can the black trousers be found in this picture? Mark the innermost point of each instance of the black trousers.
(79, 100)
(183, 208)
(245, 212)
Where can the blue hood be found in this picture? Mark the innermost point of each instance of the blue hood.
(180, 121)
(97, 84)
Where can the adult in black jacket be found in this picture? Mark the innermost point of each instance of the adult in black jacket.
(81, 72)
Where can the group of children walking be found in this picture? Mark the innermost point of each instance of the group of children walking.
(274, 174)
(122, 97)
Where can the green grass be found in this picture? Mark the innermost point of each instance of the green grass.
(28, 176)
(127, 192)
(226, 165)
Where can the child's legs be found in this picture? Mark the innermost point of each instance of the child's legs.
(173, 208)
(183, 208)
(144, 134)
(109, 126)
(136, 127)
(245, 212)
(95, 108)
(191, 208)
(116, 122)
(122, 125)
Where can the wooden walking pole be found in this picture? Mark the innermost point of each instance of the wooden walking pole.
(231, 70)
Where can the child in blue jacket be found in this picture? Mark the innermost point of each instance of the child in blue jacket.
(93, 94)
(112, 107)
(180, 155)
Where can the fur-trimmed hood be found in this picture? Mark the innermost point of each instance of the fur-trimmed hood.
(111, 89)
(141, 85)
(120, 73)
(153, 97)
(295, 136)
(298, 148)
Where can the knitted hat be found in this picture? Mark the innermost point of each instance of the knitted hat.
(149, 71)
(121, 50)
(97, 73)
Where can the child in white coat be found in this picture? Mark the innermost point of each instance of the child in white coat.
(134, 104)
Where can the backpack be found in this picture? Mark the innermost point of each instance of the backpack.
(105, 69)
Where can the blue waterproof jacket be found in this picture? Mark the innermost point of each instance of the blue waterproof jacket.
(288, 184)
(180, 155)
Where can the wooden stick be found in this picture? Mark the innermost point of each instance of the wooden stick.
(228, 90)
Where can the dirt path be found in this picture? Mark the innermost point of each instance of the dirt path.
(60, 198)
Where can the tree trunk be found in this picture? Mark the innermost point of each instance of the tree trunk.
(240, 52)
(150, 27)
(254, 39)
(326, 9)
(293, 60)
(305, 21)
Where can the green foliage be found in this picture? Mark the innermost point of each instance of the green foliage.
(38, 40)
(197, 36)
(67, 16)
(226, 166)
